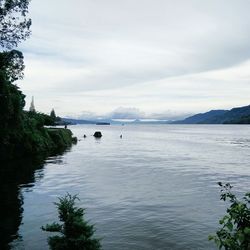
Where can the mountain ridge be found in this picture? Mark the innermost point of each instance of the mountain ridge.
(238, 115)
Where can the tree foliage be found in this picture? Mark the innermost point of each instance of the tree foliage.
(12, 65)
(74, 232)
(12, 102)
(21, 133)
(53, 114)
(14, 23)
(32, 106)
(14, 27)
(11, 105)
(235, 231)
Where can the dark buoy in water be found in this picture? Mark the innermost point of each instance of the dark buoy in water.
(121, 136)
(84, 136)
(97, 134)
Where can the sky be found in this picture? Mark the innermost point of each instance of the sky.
(152, 59)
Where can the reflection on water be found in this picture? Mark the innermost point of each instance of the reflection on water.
(153, 189)
(13, 176)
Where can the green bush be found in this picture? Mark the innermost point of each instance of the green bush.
(60, 136)
(74, 232)
(235, 231)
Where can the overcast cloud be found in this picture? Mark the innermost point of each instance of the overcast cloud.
(153, 58)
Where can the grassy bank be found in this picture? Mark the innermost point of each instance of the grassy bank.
(61, 137)
(32, 138)
(48, 141)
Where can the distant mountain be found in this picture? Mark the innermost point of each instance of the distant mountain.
(111, 121)
(77, 121)
(235, 115)
(241, 120)
(149, 122)
(97, 121)
(200, 118)
(239, 115)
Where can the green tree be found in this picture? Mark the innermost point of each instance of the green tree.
(12, 65)
(235, 231)
(14, 23)
(21, 133)
(53, 114)
(12, 100)
(75, 233)
(14, 27)
(32, 105)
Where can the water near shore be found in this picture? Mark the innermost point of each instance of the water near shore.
(153, 189)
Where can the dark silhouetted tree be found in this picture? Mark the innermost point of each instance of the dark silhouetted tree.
(14, 23)
(53, 114)
(32, 105)
(14, 27)
(12, 65)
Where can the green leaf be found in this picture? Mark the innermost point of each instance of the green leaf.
(230, 226)
(247, 230)
(210, 237)
(241, 237)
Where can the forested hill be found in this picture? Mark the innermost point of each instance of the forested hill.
(240, 115)
(199, 118)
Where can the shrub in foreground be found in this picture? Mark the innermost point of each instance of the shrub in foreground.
(235, 231)
(74, 233)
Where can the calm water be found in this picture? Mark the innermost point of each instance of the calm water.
(153, 189)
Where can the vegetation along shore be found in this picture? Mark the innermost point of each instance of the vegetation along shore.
(22, 132)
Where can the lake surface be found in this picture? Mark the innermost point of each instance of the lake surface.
(156, 188)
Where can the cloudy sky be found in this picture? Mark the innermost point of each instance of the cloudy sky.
(137, 58)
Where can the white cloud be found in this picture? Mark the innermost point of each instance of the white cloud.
(154, 55)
